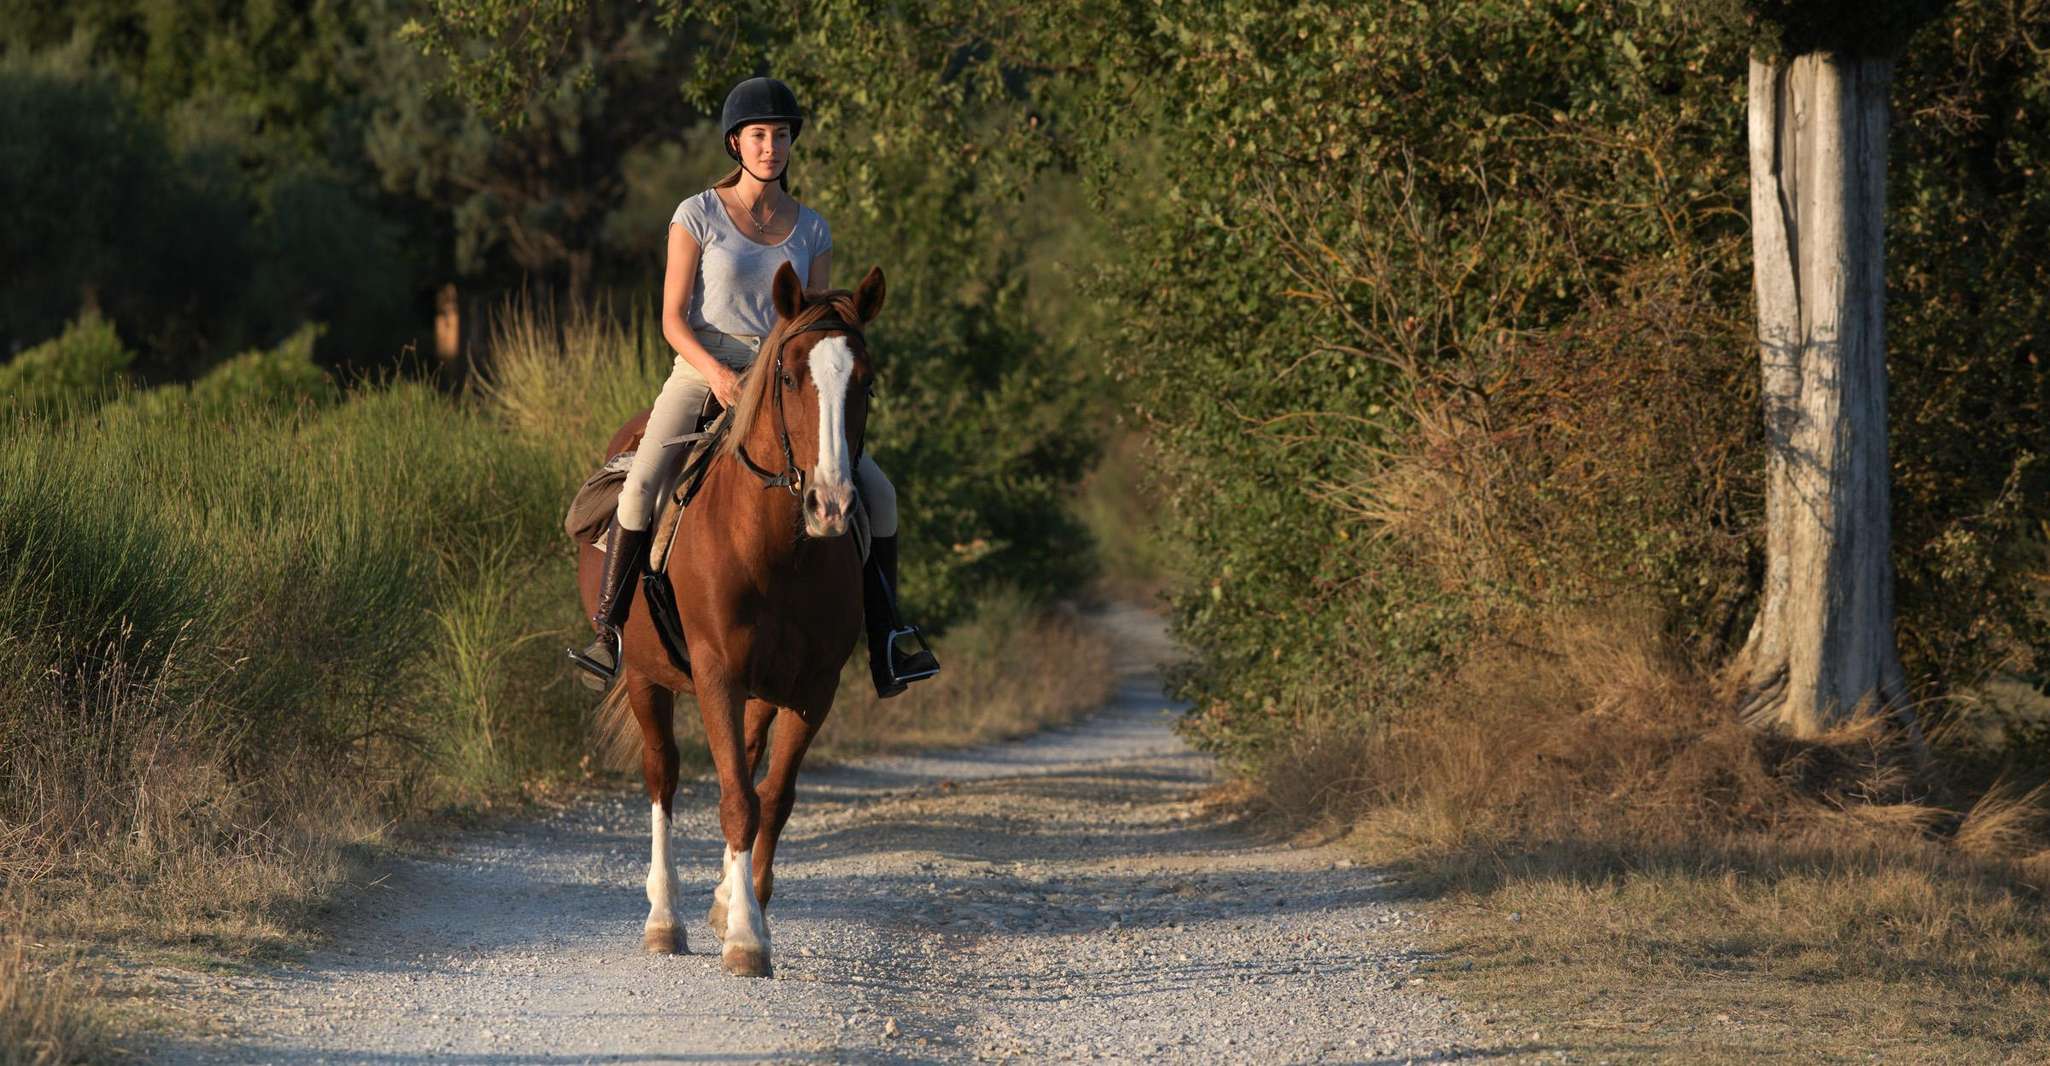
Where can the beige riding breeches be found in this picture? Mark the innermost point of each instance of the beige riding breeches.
(676, 414)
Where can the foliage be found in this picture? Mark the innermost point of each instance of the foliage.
(1860, 27)
(1394, 311)
(149, 241)
(1332, 253)
(522, 45)
(204, 222)
(538, 193)
(1365, 255)
(266, 165)
(1969, 192)
(282, 377)
(1361, 248)
(70, 374)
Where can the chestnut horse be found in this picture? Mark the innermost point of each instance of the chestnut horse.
(768, 587)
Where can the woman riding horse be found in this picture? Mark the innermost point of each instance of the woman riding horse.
(769, 591)
(725, 245)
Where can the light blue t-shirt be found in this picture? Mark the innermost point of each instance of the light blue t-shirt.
(736, 274)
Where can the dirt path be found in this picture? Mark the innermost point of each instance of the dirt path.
(1059, 897)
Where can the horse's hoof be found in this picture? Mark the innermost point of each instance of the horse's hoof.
(665, 940)
(746, 962)
(718, 919)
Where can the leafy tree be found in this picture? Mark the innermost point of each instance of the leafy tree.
(253, 110)
(541, 192)
(97, 213)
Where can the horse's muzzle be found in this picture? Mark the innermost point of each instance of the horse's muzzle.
(828, 509)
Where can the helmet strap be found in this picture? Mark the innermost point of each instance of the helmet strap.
(782, 177)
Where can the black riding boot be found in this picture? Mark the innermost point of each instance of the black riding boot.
(891, 668)
(626, 553)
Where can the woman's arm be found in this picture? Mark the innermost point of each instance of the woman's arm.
(677, 278)
(821, 274)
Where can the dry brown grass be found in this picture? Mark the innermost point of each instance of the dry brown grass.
(124, 833)
(1615, 857)
(1009, 671)
(127, 823)
(48, 1013)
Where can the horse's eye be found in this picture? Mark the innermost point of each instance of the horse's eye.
(789, 381)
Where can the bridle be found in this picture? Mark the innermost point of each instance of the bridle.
(792, 477)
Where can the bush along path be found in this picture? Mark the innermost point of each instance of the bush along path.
(1064, 896)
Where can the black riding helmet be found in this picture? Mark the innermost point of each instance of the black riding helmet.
(759, 100)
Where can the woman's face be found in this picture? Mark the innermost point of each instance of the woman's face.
(764, 148)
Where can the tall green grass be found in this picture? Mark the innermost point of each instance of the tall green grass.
(216, 622)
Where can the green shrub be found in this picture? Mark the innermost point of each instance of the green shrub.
(284, 376)
(68, 375)
(256, 382)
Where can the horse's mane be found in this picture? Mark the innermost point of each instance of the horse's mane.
(754, 384)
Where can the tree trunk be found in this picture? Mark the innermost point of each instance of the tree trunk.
(448, 324)
(1822, 648)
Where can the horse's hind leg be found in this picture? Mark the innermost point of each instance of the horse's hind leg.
(654, 711)
(778, 792)
(760, 715)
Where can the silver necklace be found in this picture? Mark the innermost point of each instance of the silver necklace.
(761, 227)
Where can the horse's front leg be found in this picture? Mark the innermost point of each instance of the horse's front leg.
(722, 701)
(778, 792)
(760, 715)
(654, 711)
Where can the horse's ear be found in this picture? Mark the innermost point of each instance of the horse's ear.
(788, 291)
(868, 296)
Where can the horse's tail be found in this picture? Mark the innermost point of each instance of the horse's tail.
(615, 737)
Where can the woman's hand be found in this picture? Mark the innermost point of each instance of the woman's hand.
(725, 385)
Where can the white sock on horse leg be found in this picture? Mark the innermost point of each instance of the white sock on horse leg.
(661, 877)
(745, 927)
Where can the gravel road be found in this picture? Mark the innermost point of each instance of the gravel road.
(1062, 897)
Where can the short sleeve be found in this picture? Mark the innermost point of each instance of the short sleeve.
(690, 214)
(822, 239)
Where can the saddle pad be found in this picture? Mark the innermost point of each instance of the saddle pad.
(590, 512)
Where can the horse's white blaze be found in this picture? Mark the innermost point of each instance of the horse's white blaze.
(832, 367)
(661, 878)
(745, 927)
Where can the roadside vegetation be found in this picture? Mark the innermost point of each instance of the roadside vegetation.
(1517, 414)
(250, 621)
(1431, 330)
(281, 565)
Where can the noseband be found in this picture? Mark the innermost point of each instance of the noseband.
(792, 477)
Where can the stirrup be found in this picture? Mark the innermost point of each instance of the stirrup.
(596, 675)
(919, 672)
